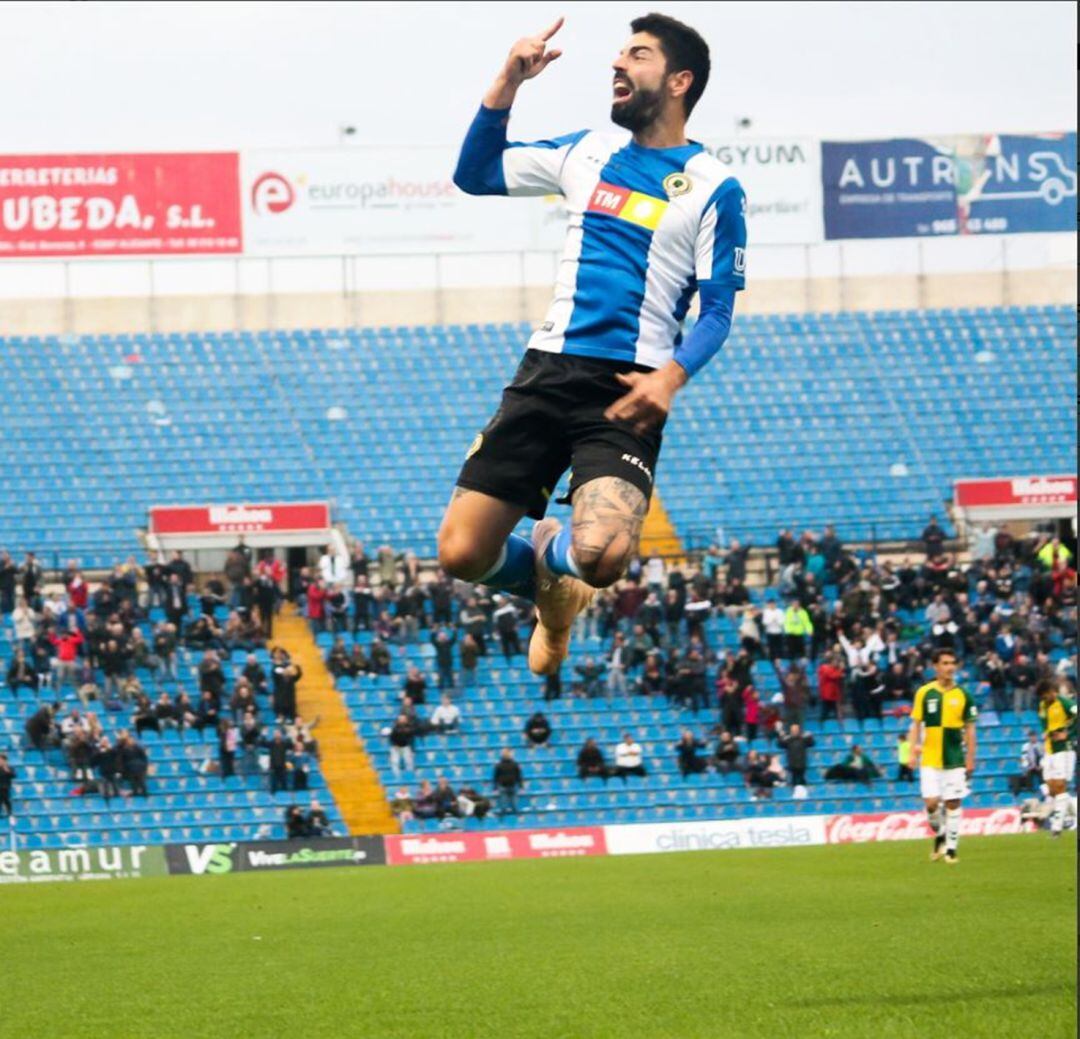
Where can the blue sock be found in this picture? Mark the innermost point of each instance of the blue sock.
(515, 569)
(558, 557)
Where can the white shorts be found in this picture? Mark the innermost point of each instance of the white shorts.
(1061, 765)
(943, 784)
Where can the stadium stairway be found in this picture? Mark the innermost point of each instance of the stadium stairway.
(344, 763)
(658, 536)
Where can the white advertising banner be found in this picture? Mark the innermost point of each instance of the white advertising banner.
(371, 201)
(363, 201)
(716, 835)
(782, 181)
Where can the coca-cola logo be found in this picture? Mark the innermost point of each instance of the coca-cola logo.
(895, 826)
(900, 826)
(987, 823)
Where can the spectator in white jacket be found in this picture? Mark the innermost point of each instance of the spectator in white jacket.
(24, 620)
(772, 620)
(334, 568)
(628, 758)
(447, 716)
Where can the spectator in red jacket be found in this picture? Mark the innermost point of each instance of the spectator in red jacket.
(67, 655)
(830, 677)
(316, 605)
(751, 712)
(78, 591)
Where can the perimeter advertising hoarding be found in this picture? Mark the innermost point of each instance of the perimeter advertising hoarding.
(1020, 490)
(258, 856)
(964, 185)
(902, 826)
(782, 181)
(717, 835)
(111, 204)
(68, 864)
(473, 846)
(370, 201)
(263, 518)
(402, 200)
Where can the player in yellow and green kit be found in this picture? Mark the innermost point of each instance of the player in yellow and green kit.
(943, 732)
(1058, 716)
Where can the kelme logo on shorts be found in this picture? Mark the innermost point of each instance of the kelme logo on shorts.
(475, 446)
(676, 184)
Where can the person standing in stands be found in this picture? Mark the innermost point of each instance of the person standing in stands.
(797, 629)
(933, 539)
(505, 619)
(32, 579)
(402, 736)
(8, 576)
(134, 763)
(772, 622)
(285, 676)
(443, 639)
(279, 762)
(508, 781)
(176, 604)
(7, 777)
(796, 743)
(106, 760)
(228, 740)
(830, 677)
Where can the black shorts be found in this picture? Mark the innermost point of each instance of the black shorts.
(552, 418)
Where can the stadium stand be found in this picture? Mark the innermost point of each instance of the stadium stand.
(763, 436)
(185, 801)
(494, 714)
(366, 417)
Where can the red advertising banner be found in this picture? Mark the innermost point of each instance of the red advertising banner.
(419, 849)
(902, 826)
(282, 517)
(119, 204)
(1020, 490)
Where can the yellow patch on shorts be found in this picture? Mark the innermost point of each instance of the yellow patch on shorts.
(475, 446)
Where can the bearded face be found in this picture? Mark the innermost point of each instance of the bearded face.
(634, 105)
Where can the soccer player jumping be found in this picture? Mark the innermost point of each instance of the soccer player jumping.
(943, 731)
(653, 219)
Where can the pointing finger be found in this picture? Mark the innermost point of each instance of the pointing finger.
(548, 33)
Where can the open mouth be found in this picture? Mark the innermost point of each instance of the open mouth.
(621, 91)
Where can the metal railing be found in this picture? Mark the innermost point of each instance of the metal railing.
(145, 282)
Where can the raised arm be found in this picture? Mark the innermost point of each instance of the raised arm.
(482, 168)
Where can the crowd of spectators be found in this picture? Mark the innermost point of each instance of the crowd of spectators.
(848, 635)
(176, 677)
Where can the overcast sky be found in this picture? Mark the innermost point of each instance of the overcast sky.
(180, 76)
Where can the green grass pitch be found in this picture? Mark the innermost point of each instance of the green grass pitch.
(868, 940)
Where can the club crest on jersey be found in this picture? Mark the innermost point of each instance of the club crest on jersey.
(676, 184)
(478, 441)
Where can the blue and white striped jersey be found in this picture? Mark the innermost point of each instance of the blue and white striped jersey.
(648, 227)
